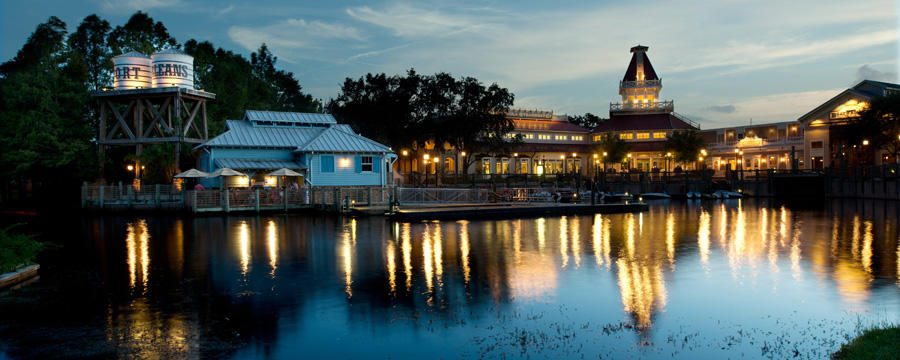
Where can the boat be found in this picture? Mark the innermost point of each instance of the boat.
(655, 196)
(734, 194)
(693, 195)
(613, 197)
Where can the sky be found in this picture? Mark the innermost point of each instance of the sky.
(723, 62)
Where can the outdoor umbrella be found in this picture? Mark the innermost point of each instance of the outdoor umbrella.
(226, 172)
(284, 172)
(192, 173)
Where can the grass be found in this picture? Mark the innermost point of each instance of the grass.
(874, 343)
(16, 250)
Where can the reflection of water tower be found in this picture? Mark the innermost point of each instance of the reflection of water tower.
(153, 101)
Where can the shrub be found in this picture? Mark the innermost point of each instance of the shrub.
(16, 250)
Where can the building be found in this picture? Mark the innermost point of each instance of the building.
(550, 144)
(642, 119)
(754, 147)
(325, 152)
(828, 143)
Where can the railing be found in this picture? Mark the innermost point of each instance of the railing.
(640, 83)
(442, 195)
(643, 107)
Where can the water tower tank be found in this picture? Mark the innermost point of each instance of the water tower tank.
(132, 71)
(171, 67)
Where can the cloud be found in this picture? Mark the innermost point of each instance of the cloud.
(411, 22)
(131, 5)
(225, 10)
(725, 109)
(780, 107)
(289, 36)
(867, 72)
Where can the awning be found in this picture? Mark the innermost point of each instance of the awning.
(258, 164)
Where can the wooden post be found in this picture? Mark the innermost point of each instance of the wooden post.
(156, 195)
(102, 188)
(369, 197)
(227, 203)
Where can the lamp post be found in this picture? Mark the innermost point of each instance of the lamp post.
(436, 160)
(405, 154)
(461, 158)
(515, 169)
(629, 162)
(668, 155)
(604, 161)
(563, 158)
(425, 167)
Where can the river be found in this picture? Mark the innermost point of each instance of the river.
(695, 280)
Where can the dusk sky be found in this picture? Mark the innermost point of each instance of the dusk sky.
(723, 62)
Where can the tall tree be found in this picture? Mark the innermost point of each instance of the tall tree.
(44, 138)
(880, 123)
(686, 145)
(89, 47)
(142, 34)
(614, 147)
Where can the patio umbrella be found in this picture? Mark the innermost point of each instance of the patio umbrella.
(192, 173)
(284, 172)
(225, 172)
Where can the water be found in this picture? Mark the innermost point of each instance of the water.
(696, 280)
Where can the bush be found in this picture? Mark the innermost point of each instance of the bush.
(876, 343)
(16, 250)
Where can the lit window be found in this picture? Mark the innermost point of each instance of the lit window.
(577, 137)
(659, 135)
(626, 136)
(560, 137)
(596, 137)
(643, 135)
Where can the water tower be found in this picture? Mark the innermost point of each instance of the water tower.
(153, 101)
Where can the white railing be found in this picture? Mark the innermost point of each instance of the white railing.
(640, 83)
(643, 107)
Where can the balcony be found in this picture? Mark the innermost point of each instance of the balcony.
(658, 106)
(640, 84)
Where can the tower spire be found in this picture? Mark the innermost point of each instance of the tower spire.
(640, 85)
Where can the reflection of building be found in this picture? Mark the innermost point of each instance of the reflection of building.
(827, 142)
(327, 153)
(641, 119)
(762, 147)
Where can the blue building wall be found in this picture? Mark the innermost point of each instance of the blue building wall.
(346, 171)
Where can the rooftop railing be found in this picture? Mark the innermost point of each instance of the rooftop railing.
(656, 106)
(640, 84)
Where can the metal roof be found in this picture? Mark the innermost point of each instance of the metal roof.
(333, 139)
(242, 134)
(257, 116)
(257, 164)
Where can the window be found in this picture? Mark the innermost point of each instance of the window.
(626, 136)
(366, 163)
(643, 135)
(543, 137)
(577, 138)
(816, 145)
(326, 163)
(659, 135)
(485, 165)
(560, 137)
(596, 137)
(528, 136)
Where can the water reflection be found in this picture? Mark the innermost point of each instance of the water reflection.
(304, 280)
(137, 243)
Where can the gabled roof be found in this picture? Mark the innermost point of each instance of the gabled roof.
(866, 89)
(631, 73)
(334, 139)
(265, 117)
(631, 122)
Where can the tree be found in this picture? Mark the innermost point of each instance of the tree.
(686, 145)
(880, 123)
(44, 139)
(142, 34)
(614, 147)
(410, 110)
(588, 120)
(89, 48)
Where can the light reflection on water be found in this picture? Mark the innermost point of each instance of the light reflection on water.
(320, 279)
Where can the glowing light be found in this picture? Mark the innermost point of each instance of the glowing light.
(404, 153)
(406, 248)
(347, 261)
(391, 259)
(703, 232)
(564, 241)
(344, 162)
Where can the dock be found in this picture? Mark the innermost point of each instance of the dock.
(507, 211)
